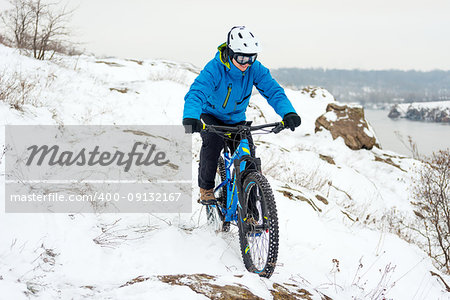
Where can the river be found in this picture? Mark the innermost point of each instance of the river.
(428, 136)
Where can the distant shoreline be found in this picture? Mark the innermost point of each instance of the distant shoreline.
(380, 87)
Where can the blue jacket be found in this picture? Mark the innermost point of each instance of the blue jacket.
(224, 91)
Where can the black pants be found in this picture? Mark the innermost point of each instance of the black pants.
(212, 145)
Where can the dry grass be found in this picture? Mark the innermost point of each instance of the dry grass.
(175, 75)
(16, 90)
(312, 179)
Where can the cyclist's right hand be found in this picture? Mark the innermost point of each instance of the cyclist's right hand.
(192, 125)
(292, 120)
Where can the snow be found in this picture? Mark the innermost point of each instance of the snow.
(433, 104)
(368, 132)
(343, 249)
(331, 116)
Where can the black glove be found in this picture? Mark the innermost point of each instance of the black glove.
(292, 120)
(192, 125)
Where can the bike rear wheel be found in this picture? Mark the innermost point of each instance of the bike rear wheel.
(214, 213)
(258, 225)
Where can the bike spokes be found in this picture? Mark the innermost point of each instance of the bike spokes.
(258, 230)
(215, 213)
(257, 236)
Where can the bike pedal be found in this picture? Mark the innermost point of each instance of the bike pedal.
(208, 202)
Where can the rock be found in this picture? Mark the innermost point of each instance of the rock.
(214, 287)
(314, 92)
(394, 113)
(204, 284)
(437, 111)
(322, 199)
(349, 123)
(283, 293)
(328, 159)
(388, 161)
(415, 114)
(438, 115)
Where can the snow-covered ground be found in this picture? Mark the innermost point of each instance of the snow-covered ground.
(335, 219)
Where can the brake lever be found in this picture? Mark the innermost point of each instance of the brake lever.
(278, 128)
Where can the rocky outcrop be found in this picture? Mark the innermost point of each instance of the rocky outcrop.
(426, 111)
(348, 122)
(394, 113)
(210, 287)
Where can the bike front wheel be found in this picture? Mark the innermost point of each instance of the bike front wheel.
(258, 225)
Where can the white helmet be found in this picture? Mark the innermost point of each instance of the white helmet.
(241, 40)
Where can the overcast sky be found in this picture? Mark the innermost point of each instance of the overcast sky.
(382, 34)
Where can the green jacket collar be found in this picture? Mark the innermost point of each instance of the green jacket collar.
(223, 55)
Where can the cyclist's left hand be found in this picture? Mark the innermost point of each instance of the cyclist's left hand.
(292, 120)
(192, 125)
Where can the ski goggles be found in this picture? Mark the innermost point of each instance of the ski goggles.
(243, 58)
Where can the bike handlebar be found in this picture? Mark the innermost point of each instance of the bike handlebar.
(277, 127)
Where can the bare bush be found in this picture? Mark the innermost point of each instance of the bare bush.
(37, 27)
(3, 40)
(16, 89)
(410, 144)
(113, 235)
(312, 178)
(431, 192)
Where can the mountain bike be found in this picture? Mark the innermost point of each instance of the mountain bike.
(245, 199)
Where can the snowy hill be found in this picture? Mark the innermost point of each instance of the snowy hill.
(438, 111)
(337, 207)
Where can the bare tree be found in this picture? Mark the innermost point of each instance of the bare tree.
(432, 191)
(38, 26)
(17, 21)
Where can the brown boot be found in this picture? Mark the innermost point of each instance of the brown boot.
(207, 197)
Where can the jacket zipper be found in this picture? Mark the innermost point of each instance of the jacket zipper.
(228, 96)
(242, 84)
(236, 103)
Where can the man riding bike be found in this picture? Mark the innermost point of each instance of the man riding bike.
(220, 95)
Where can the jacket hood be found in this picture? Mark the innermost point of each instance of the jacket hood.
(222, 55)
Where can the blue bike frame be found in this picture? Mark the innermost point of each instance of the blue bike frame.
(238, 159)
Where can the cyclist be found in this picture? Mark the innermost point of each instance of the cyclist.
(220, 96)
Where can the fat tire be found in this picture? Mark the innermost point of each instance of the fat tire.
(223, 176)
(268, 201)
